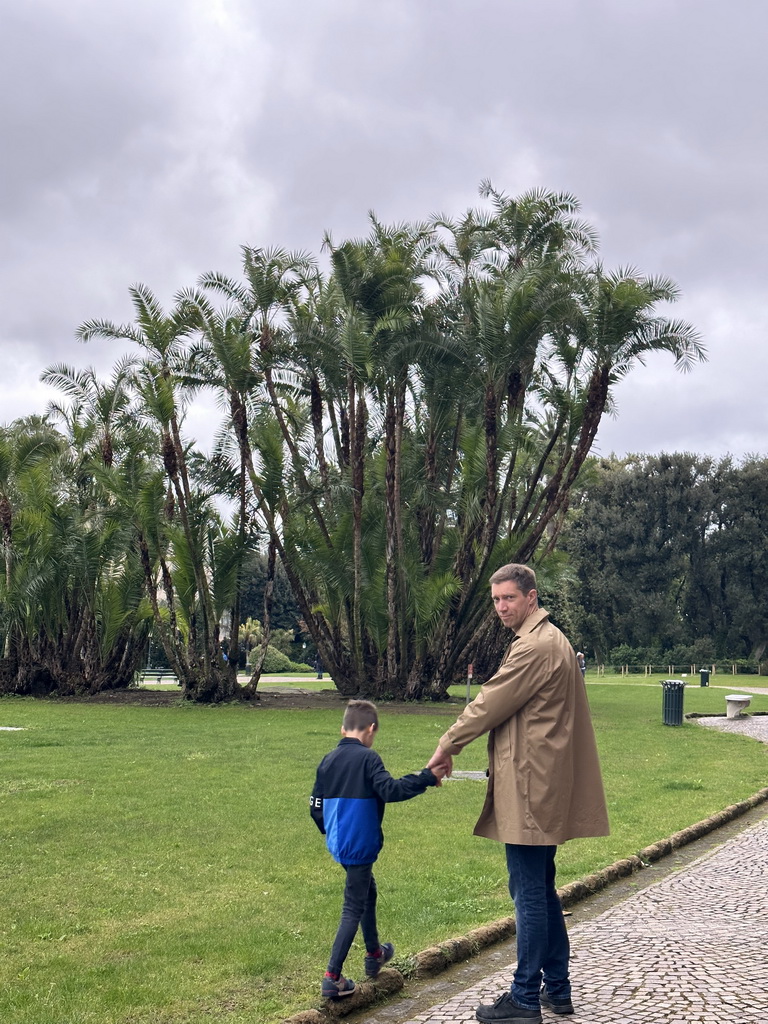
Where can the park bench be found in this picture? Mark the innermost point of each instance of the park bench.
(735, 704)
(157, 675)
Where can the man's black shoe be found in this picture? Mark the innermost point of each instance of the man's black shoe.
(565, 1006)
(507, 1011)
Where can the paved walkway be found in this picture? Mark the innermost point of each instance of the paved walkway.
(690, 949)
(754, 726)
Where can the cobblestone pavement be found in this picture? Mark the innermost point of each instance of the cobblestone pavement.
(690, 949)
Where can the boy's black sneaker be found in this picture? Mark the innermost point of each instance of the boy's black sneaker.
(335, 988)
(506, 1010)
(373, 964)
(563, 1006)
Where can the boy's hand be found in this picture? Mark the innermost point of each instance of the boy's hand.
(440, 764)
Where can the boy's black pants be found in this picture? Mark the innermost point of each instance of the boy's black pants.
(358, 909)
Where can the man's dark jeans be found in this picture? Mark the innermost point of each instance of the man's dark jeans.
(359, 908)
(542, 940)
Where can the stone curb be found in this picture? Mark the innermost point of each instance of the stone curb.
(743, 715)
(436, 959)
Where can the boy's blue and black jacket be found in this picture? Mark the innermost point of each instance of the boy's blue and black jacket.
(347, 803)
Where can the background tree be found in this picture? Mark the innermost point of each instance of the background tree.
(728, 596)
(670, 554)
(285, 612)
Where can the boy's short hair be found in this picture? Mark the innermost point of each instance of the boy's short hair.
(359, 714)
(522, 576)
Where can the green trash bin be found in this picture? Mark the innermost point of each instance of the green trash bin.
(704, 676)
(673, 690)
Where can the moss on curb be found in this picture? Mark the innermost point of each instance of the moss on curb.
(436, 959)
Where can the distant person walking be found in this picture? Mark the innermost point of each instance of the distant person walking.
(582, 662)
(544, 786)
(318, 666)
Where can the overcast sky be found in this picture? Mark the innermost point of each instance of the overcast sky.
(146, 140)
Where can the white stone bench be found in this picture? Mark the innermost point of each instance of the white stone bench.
(735, 704)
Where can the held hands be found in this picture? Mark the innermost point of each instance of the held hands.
(440, 764)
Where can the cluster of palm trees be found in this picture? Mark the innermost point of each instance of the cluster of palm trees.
(395, 426)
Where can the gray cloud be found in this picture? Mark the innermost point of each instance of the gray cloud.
(146, 141)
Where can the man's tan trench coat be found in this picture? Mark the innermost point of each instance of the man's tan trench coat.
(545, 785)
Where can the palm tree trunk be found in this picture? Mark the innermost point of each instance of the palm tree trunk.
(400, 555)
(266, 622)
(391, 546)
(6, 522)
(358, 418)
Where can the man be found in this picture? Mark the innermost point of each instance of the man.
(544, 786)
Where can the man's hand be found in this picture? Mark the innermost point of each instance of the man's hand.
(441, 762)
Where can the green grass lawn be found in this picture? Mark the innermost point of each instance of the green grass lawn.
(721, 681)
(159, 864)
(303, 681)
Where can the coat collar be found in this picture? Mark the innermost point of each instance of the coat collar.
(534, 619)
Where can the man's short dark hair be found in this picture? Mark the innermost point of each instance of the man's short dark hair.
(522, 576)
(359, 714)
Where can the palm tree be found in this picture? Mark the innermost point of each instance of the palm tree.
(240, 349)
(506, 292)
(617, 327)
(223, 359)
(105, 407)
(380, 280)
(24, 445)
(159, 384)
(71, 596)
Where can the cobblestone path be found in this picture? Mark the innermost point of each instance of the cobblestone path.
(690, 949)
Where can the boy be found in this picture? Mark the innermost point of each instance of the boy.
(347, 805)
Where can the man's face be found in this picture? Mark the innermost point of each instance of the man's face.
(512, 606)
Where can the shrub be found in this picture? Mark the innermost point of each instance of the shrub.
(275, 662)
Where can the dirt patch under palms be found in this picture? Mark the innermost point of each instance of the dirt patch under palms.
(270, 697)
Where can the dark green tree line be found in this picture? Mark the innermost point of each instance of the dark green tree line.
(671, 553)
